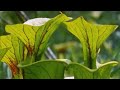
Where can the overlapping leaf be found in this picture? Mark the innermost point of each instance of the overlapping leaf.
(82, 72)
(5, 42)
(26, 43)
(91, 37)
(13, 52)
(52, 69)
(36, 37)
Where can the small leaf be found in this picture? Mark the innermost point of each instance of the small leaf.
(91, 37)
(52, 69)
(82, 72)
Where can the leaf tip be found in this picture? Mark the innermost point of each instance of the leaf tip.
(60, 12)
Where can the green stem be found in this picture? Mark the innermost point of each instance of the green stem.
(89, 61)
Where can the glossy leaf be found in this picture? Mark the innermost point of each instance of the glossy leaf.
(82, 72)
(52, 69)
(91, 37)
(35, 38)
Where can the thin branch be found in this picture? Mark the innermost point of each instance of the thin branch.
(22, 16)
(51, 53)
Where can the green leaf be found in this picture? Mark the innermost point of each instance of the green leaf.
(14, 52)
(5, 42)
(18, 47)
(3, 52)
(35, 38)
(91, 37)
(25, 33)
(115, 74)
(46, 31)
(52, 69)
(83, 72)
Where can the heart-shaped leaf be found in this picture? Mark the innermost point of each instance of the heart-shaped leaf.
(91, 37)
(52, 69)
(83, 72)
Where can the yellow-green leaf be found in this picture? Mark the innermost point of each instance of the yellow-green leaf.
(91, 37)
(35, 38)
(3, 52)
(14, 54)
(45, 32)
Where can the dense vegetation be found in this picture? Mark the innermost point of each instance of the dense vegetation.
(63, 43)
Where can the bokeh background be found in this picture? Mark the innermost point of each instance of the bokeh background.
(63, 43)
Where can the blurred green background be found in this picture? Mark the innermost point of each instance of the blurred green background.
(63, 43)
